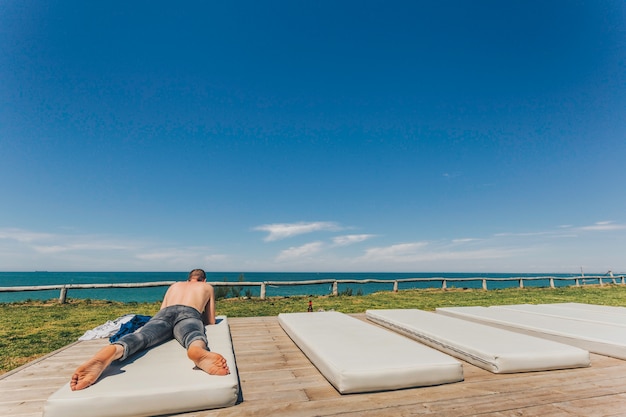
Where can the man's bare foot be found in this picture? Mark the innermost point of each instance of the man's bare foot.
(89, 372)
(210, 362)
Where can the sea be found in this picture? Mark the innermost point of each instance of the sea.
(150, 294)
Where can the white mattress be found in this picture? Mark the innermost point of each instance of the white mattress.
(490, 348)
(355, 356)
(160, 381)
(593, 307)
(557, 310)
(602, 338)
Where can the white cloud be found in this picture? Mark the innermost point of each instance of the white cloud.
(77, 246)
(604, 226)
(465, 240)
(23, 236)
(394, 251)
(350, 239)
(421, 252)
(553, 250)
(50, 248)
(156, 256)
(22, 249)
(300, 251)
(278, 231)
(182, 256)
(524, 234)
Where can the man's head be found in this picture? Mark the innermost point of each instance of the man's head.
(197, 275)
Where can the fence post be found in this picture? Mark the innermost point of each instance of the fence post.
(335, 288)
(444, 284)
(395, 285)
(262, 295)
(600, 280)
(484, 284)
(551, 282)
(521, 283)
(63, 295)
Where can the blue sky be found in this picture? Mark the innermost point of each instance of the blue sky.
(417, 136)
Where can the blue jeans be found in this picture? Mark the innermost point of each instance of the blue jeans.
(183, 323)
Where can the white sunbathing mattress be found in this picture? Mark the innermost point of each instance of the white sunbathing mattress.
(568, 312)
(490, 348)
(160, 381)
(355, 356)
(601, 338)
(614, 310)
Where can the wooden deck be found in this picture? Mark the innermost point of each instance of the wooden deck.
(278, 380)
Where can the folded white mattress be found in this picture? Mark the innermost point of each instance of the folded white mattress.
(490, 348)
(557, 310)
(601, 338)
(161, 380)
(355, 356)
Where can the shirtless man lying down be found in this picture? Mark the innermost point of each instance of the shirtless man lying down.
(187, 307)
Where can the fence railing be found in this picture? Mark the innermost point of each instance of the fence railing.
(577, 281)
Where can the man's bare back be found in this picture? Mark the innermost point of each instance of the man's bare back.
(192, 293)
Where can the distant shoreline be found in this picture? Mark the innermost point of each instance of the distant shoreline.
(142, 287)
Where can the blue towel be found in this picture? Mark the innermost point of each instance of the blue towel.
(130, 326)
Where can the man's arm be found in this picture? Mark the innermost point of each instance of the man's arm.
(208, 316)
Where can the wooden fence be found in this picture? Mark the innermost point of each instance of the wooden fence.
(445, 282)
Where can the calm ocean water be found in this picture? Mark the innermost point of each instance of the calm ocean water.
(9, 279)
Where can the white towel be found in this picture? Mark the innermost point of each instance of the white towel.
(107, 329)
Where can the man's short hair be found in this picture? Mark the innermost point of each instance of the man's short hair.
(201, 271)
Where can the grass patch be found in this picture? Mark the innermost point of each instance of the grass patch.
(31, 329)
